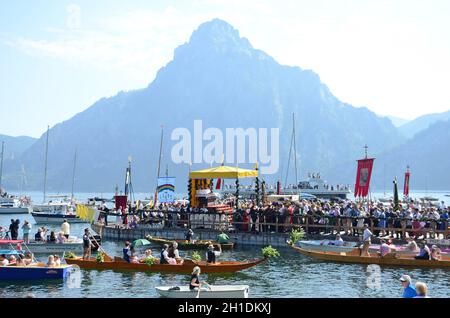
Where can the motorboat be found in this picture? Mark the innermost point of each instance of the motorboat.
(213, 291)
(56, 212)
(14, 205)
(33, 271)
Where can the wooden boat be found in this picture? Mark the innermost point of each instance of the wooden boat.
(215, 291)
(196, 244)
(324, 246)
(184, 267)
(354, 257)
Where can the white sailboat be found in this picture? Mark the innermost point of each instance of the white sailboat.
(55, 211)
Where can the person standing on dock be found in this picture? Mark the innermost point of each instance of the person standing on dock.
(65, 228)
(408, 290)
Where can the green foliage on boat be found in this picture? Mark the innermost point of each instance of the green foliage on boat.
(196, 257)
(296, 235)
(269, 252)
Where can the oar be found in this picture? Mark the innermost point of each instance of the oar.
(198, 293)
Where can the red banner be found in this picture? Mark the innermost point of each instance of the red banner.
(219, 182)
(121, 202)
(363, 175)
(406, 185)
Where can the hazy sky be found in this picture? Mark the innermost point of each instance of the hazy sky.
(59, 57)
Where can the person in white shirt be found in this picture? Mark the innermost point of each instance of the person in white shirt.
(65, 228)
(366, 239)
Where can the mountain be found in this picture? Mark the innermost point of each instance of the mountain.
(426, 153)
(423, 122)
(15, 146)
(397, 121)
(218, 77)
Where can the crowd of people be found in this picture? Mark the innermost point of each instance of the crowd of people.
(317, 216)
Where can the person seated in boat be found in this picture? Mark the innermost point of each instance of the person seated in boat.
(173, 251)
(134, 259)
(38, 235)
(148, 255)
(57, 260)
(61, 239)
(52, 238)
(212, 254)
(424, 252)
(195, 283)
(411, 245)
(127, 252)
(19, 261)
(385, 249)
(337, 242)
(12, 260)
(51, 261)
(189, 235)
(223, 238)
(3, 260)
(436, 253)
(28, 259)
(165, 259)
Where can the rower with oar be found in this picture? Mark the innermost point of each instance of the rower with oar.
(195, 281)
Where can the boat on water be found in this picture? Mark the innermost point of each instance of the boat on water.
(74, 245)
(184, 267)
(186, 245)
(214, 291)
(330, 246)
(14, 205)
(56, 212)
(354, 257)
(33, 271)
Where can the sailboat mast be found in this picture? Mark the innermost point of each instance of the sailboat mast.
(45, 169)
(1, 164)
(295, 150)
(160, 150)
(73, 172)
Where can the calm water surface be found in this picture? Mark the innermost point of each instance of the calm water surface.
(291, 275)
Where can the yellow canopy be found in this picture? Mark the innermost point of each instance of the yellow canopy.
(224, 172)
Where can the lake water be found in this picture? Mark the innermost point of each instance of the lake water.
(291, 275)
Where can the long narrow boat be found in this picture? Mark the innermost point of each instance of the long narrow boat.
(215, 291)
(185, 245)
(354, 257)
(182, 268)
(325, 246)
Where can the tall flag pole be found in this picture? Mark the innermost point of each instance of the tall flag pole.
(363, 175)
